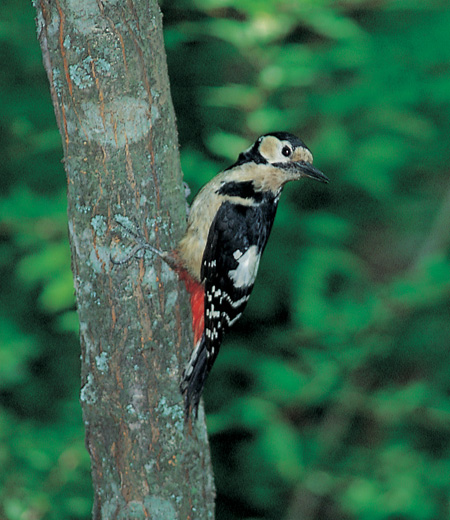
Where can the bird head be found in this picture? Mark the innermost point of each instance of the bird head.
(285, 154)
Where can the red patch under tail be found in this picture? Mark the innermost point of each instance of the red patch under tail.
(197, 294)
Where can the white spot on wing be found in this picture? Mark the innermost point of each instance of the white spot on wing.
(234, 320)
(190, 367)
(245, 273)
(239, 302)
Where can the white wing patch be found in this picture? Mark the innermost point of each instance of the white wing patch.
(245, 273)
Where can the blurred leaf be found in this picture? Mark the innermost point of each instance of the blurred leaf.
(281, 444)
(16, 350)
(327, 228)
(333, 292)
(44, 264)
(226, 145)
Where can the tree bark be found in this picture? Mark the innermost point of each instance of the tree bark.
(108, 78)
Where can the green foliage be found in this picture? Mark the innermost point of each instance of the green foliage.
(45, 466)
(330, 398)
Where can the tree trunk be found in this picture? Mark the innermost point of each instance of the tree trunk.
(108, 78)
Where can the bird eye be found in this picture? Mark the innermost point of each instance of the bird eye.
(286, 151)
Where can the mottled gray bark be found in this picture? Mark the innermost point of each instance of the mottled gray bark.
(108, 78)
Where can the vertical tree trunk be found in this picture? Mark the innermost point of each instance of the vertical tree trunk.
(108, 78)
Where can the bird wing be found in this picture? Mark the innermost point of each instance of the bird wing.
(236, 240)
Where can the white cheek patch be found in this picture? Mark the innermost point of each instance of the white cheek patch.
(269, 148)
(245, 273)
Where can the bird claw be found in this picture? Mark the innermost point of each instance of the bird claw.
(187, 190)
(141, 245)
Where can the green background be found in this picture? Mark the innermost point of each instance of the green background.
(330, 399)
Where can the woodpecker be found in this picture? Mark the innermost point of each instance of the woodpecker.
(228, 227)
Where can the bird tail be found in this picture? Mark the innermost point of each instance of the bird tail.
(194, 377)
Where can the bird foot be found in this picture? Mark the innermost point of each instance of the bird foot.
(141, 245)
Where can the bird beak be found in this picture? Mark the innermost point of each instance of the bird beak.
(306, 169)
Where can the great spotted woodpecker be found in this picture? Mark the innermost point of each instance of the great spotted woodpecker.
(228, 226)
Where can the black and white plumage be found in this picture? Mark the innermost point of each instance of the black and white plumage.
(229, 224)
